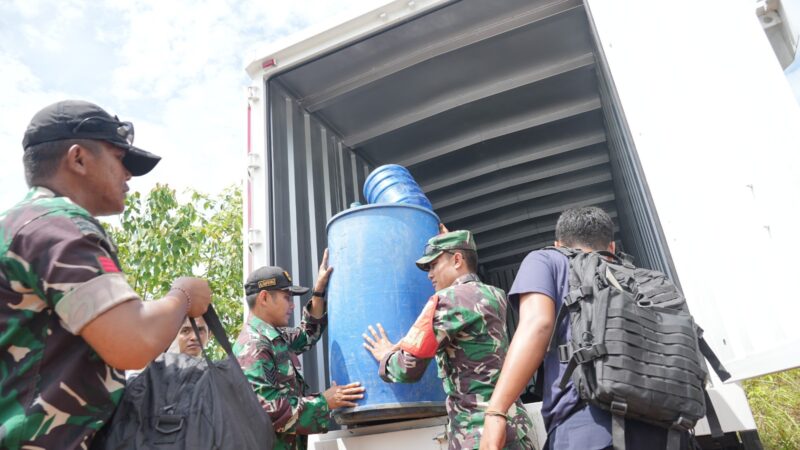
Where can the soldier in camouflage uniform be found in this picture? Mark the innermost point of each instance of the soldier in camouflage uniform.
(69, 322)
(464, 326)
(267, 352)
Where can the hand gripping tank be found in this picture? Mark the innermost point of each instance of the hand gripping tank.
(372, 250)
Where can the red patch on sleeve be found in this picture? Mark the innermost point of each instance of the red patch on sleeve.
(107, 264)
(421, 339)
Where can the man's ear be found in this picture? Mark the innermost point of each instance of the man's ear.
(76, 159)
(458, 259)
(262, 297)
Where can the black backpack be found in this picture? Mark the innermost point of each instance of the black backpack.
(181, 402)
(634, 349)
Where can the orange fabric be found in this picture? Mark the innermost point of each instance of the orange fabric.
(420, 340)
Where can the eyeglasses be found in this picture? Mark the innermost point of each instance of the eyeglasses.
(431, 249)
(124, 129)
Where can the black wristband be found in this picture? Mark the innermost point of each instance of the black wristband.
(320, 294)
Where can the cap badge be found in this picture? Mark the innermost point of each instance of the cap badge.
(267, 283)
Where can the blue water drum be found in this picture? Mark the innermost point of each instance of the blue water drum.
(392, 183)
(372, 250)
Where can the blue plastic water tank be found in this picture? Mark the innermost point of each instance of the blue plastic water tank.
(393, 183)
(372, 250)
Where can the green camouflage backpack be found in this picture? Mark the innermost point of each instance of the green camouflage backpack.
(634, 349)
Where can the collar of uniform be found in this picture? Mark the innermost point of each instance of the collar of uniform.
(37, 192)
(262, 328)
(466, 279)
(41, 192)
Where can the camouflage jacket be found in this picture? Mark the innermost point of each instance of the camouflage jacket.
(464, 326)
(58, 271)
(268, 356)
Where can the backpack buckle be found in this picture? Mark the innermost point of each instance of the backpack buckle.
(683, 424)
(577, 294)
(619, 408)
(564, 353)
(168, 424)
(586, 354)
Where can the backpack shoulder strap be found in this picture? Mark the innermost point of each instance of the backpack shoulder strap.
(712, 358)
(216, 329)
(566, 251)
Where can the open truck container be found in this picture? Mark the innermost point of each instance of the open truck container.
(674, 117)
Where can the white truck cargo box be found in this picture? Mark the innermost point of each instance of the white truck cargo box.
(675, 117)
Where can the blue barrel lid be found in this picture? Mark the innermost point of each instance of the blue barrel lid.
(379, 206)
(381, 170)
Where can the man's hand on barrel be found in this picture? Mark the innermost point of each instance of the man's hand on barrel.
(343, 396)
(324, 274)
(318, 295)
(379, 345)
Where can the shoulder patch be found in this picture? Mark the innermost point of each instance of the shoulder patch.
(420, 340)
(107, 264)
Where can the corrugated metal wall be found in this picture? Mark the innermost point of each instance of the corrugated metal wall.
(503, 276)
(500, 158)
(313, 176)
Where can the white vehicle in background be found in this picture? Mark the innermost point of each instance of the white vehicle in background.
(675, 117)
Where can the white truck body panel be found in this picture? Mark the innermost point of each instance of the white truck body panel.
(716, 130)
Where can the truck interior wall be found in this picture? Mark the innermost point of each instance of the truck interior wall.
(501, 148)
(313, 177)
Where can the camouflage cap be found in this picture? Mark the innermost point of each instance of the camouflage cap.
(454, 240)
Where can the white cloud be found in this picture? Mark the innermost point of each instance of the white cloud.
(23, 95)
(35, 35)
(175, 68)
(27, 8)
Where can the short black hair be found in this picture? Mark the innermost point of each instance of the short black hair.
(470, 258)
(586, 227)
(251, 300)
(41, 160)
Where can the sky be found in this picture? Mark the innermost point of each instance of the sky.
(174, 68)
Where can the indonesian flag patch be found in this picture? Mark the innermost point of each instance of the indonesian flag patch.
(421, 339)
(107, 264)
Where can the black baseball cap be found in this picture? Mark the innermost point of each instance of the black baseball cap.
(271, 278)
(78, 119)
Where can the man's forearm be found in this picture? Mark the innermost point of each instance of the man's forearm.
(133, 333)
(317, 309)
(402, 367)
(298, 415)
(160, 322)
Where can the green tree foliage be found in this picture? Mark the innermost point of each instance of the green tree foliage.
(775, 401)
(161, 237)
